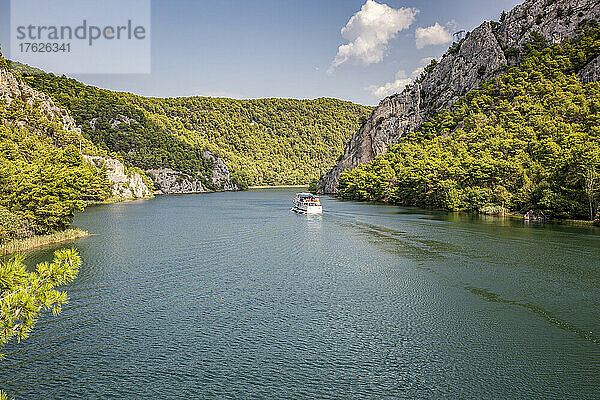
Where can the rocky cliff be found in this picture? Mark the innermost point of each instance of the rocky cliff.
(591, 72)
(481, 55)
(12, 88)
(168, 181)
(123, 186)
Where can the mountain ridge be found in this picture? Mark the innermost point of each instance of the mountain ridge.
(481, 55)
(260, 141)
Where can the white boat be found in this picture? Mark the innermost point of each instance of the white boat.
(306, 203)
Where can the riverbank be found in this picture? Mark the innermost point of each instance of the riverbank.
(41, 240)
(278, 187)
(506, 214)
(114, 200)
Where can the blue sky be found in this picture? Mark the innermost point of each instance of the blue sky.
(285, 48)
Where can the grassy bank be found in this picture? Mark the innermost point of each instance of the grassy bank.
(42, 240)
(114, 200)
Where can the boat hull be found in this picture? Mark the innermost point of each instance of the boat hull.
(308, 209)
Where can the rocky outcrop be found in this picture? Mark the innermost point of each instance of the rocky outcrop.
(591, 72)
(170, 181)
(478, 57)
(481, 55)
(535, 216)
(556, 20)
(124, 186)
(13, 88)
(221, 177)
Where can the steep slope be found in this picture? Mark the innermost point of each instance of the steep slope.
(43, 179)
(26, 104)
(526, 140)
(179, 140)
(48, 170)
(481, 55)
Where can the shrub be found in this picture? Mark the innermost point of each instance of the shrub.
(454, 48)
(12, 226)
(493, 209)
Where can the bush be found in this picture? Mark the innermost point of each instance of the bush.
(493, 210)
(454, 48)
(312, 186)
(12, 226)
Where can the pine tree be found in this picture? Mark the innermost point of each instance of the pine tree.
(24, 295)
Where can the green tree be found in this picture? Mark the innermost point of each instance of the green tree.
(528, 139)
(591, 186)
(24, 295)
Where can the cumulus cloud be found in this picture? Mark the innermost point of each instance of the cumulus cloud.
(369, 31)
(433, 35)
(390, 88)
(401, 81)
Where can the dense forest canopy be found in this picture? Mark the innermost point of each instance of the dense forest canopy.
(529, 139)
(267, 141)
(43, 177)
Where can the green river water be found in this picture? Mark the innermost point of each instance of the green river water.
(231, 295)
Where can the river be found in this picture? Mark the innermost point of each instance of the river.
(231, 295)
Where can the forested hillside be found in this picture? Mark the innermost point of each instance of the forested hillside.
(269, 141)
(529, 139)
(44, 179)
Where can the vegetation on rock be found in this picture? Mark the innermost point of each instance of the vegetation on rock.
(43, 178)
(529, 139)
(266, 141)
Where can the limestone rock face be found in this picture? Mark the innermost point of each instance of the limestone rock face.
(170, 181)
(556, 20)
(13, 88)
(123, 186)
(221, 178)
(395, 116)
(480, 56)
(591, 72)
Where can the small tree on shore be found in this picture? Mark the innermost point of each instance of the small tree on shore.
(591, 186)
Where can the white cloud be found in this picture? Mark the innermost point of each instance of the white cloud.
(433, 35)
(369, 31)
(401, 81)
(390, 88)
